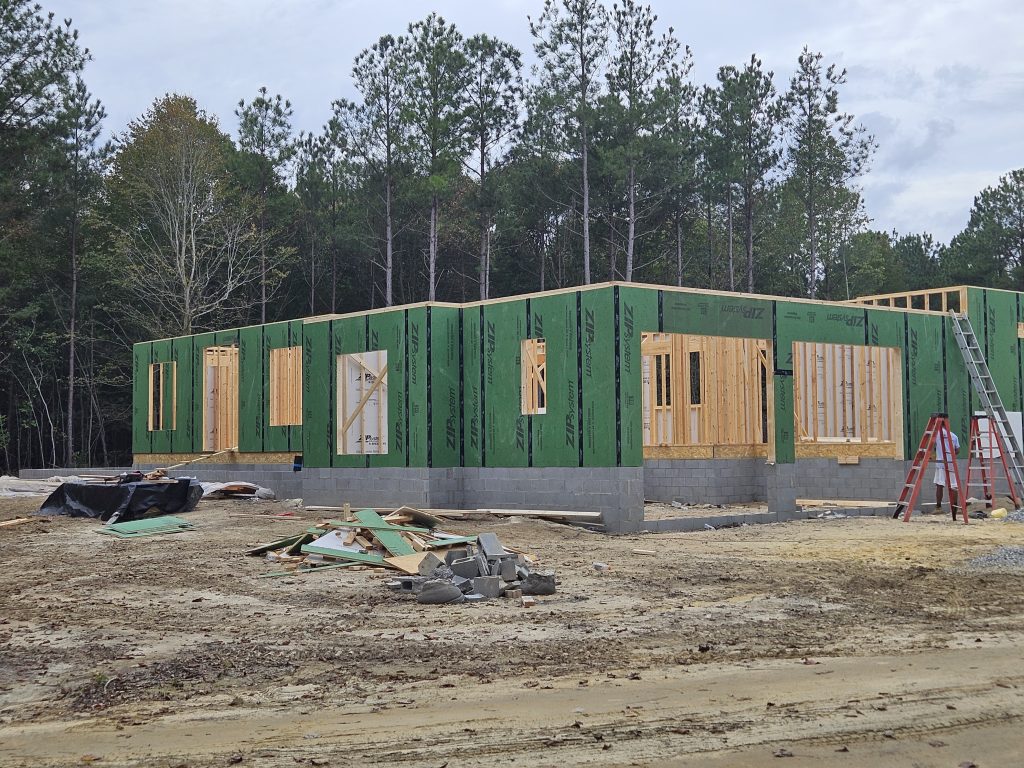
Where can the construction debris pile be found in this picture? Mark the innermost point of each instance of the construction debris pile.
(437, 567)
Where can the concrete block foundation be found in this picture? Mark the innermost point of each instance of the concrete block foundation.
(618, 493)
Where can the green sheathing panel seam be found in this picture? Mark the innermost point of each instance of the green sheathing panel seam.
(418, 426)
(924, 361)
(445, 365)
(317, 418)
(252, 379)
(554, 433)
(348, 336)
(957, 390)
(142, 356)
(472, 373)
(183, 437)
(387, 332)
(504, 424)
(295, 340)
(637, 313)
(1001, 348)
(598, 389)
(161, 438)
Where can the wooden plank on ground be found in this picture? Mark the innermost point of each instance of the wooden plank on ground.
(567, 514)
(16, 521)
(386, 526)
(408, 563)
(286, 542)
(339, 554)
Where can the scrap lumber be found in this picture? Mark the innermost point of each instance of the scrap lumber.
(279, 544)
(408, 563)
(844, 503)
(391, 540)
(369, 542)
(16, 521)
(341, 554)
(563, 514)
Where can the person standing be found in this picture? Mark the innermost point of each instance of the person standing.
(943, 439)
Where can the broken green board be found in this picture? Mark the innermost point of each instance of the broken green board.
(149, 527)
(340, 554)
(389, 538)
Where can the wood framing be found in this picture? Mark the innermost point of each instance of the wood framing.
(362, 386)
(703, 391)
(220, 398)
(932, 300)
(286, 386)
(163, 396)
(848, 394)
(533, 388)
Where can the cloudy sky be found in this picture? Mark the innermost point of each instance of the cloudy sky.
(940, 83)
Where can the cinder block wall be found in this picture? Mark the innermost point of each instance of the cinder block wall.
(615, 492)
(704, 481)
(735, 481)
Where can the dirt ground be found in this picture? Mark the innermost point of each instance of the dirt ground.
(836, 642)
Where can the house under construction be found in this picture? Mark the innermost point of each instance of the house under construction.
(592, 398)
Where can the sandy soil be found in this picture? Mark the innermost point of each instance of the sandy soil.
(838, 642)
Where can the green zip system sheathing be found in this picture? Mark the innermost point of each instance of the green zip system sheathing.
(454, 373)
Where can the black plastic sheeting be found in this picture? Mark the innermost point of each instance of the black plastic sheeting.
(124, 502)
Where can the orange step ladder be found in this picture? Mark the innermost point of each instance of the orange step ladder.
(984, 448)
(938, 429)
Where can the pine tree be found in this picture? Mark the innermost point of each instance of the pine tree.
(571, 40)
(264, 131)
(826, 150)
(79, 178)
(436, 111)
(378, 130)
(494, 99)
(640, 102)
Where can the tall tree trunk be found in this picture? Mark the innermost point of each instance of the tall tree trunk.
(748, 223)
(312, 279)
(484, 225)
(631, 230)
(69, 431)
(728, 216)
(263, 262)
(388, 244)
(711, 247)
(679, 251)
(586, 204)
(812, 233)
(487, 260)
(432, 248)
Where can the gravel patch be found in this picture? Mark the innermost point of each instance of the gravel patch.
(1002, 558)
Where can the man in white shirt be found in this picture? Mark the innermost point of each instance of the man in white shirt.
(942, 440)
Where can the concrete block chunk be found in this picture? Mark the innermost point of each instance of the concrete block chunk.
(507, 569)
(490, 545)
(455, 553)
(427, 565)
(467, 567)
(488, 586)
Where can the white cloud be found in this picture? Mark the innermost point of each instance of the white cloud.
(941, 82)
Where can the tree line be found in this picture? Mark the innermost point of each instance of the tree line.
(454, 173)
